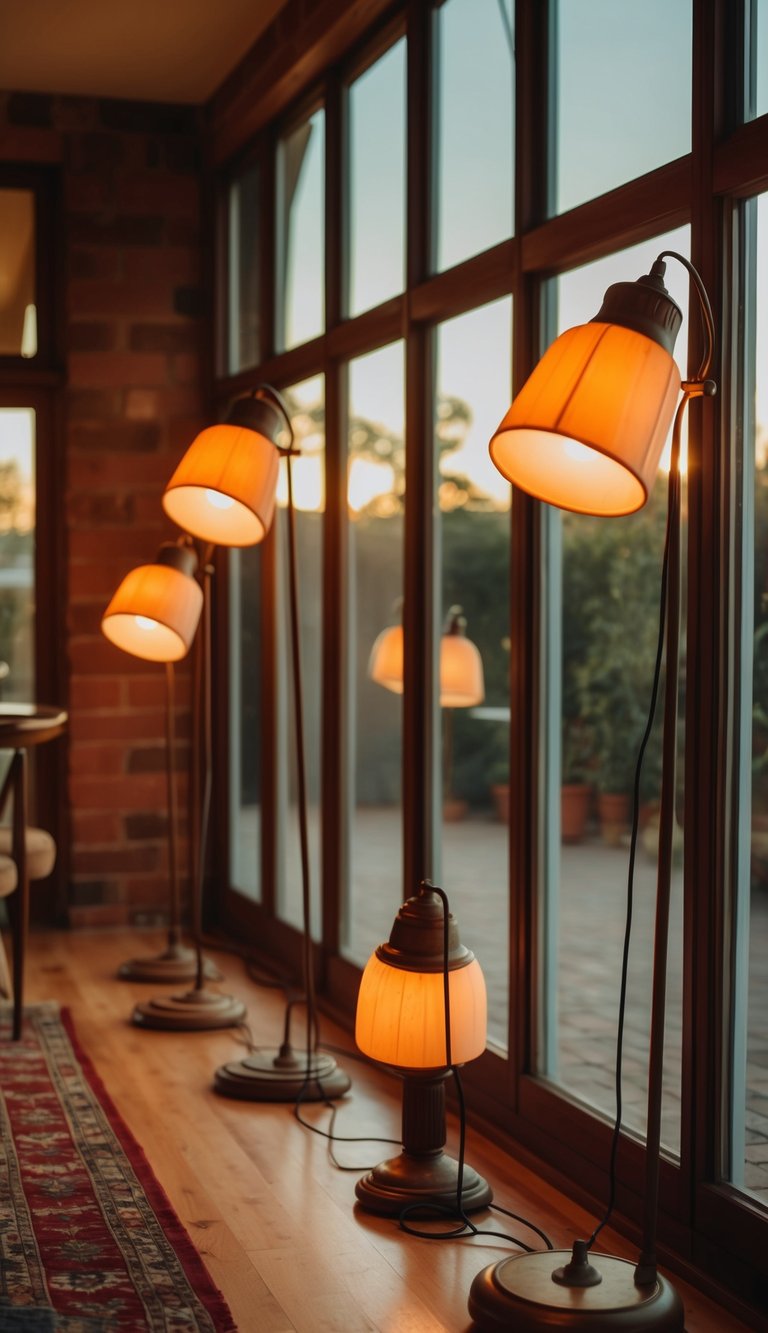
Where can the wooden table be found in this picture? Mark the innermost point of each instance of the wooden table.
(21, 726)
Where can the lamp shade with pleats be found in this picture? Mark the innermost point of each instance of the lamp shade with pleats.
(223, 490)
(587, 429)
(155, 612)
(385, 665)
(401, 1002)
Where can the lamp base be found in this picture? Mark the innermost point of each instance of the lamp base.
(195, 1011)
(413, 1179)
(282, 1076)
(175, 964)
(520, 1293)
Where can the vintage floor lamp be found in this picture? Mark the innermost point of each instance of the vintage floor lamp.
(586, 433)
(223, 493)
(154, 615)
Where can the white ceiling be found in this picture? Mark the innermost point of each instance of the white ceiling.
(150, 50)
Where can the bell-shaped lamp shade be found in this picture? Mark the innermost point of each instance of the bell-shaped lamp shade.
(385, 664)
(156, 609)
(587, 429)
(401, 1015)
(461, 666)
(223, 490)
(401, 1002)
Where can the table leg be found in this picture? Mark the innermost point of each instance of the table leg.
(21, 895)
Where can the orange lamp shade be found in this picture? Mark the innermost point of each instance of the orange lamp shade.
(223, 490)
(587, 429)
(385, 664)
(401, 1015)
(156, 609)
(461, 672)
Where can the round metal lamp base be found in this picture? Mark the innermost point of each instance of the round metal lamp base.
(196, 1011)
(280, 1076)
(176, 964)
(410, 1180)
(519, 1293)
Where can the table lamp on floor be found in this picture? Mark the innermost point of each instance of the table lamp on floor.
(586, 433)
(154, 616)
(400, 1023)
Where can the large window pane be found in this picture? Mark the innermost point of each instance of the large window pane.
(18, 316)
(604, 589)
(749, 1164)
(622, 80)
(758, 55)
(376, 500)
(306, 404)
(473, 392)
(301, 233)
(246, 640)
(475, 127)
(17, 553)
(377, 182)
(244, 209)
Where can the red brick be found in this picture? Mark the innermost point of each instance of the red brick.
(186, 368)
(96, 261)
(107, 914)
(87, 192)
(92, 336)
(137, 546)
(133, 298)
(149, 891)
(141, 828)
(117, 860)
(88, 760)
(124, 436)
(165, 338)
(142, 791)
(151, 192)
(91, 694)
(97, 657)
(117, 369)
(102, 829)
(21, 144)
(177, 263)
(151, 471)
(92, 579)
(90, 404)
(102, 511)
(128, 726)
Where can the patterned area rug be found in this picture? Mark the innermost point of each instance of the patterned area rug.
(89, 1242)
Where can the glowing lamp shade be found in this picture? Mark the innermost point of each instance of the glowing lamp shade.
(587, 429)
(461, 666)
(401, 1015)
(224, 488)
(385, 664)
(156, 609)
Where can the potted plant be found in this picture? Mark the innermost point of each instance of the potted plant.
(575, 790)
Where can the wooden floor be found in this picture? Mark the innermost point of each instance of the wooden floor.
(272, 1218)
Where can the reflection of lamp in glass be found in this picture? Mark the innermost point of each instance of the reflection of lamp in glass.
(461, 677)
(154, 615)
(586, 433)
(401, 1012)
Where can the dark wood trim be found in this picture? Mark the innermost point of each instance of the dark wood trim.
(646, 206)
(478, 280)
(375, 328)
(297, 48)
(741, 162)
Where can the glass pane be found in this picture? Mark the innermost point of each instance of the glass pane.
(17, 553)
(475, 127)
(474, 357)
(602, 633)
(377, 182)
(622, 79)
(244, 205)
(306, 404)
(18, 313)
(245, 610)
(376, 501)
(749, 1167)
(758, 55)
(301, 233)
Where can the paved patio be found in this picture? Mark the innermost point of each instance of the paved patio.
(586, 927)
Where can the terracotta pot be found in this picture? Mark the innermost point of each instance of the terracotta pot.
(500, 794)
(574, 804)
(613, 809)
(454, 810)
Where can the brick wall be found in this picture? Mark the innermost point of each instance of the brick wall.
(132, 258)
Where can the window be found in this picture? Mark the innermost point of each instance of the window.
(475, 63)
(17, 554)
(376, 493)
(301, 232)
(18, 311)
(377, 182)
(609, 586)
(757, 56)
(623, 79)
(244, 212)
